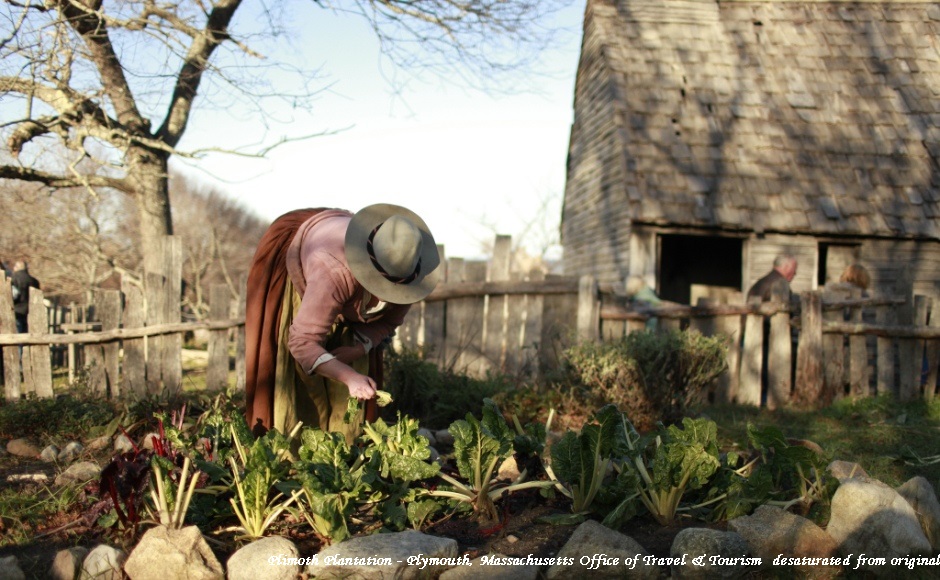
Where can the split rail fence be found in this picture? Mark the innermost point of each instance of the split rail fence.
(486, 317)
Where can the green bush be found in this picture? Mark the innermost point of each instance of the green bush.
(436, 398)
(652, 376)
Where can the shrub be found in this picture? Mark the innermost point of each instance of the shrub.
(436, 398)
(652, 376)
(63, 417)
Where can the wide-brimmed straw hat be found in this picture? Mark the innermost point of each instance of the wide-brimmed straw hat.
(391, 252)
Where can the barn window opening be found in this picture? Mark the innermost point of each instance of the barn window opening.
(693, 267)
(833, 260)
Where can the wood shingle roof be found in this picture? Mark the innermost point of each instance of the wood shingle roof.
(817, 117)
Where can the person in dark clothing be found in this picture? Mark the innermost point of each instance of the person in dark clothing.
(22, 281)
(775, 286)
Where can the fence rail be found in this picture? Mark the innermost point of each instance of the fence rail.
(485, 317)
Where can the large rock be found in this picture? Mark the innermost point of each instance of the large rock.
(771, 531)
(23, 448)
(164, 553)
(272, 558)
(624, 557)
(70, 452)
(868, 517)
(920, 494)
(444, 438)
(49, 454)
(78, 473)
(385, 556)
(10, 569)
(67, 564)
(103, 563)
(704, 553)
(843, 470)
(493, 567)
(508, 469)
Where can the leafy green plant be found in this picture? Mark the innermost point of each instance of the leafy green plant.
(255, 472)
(479, 447)
(403, 454)
(670, 462)
(166, 495)
(651, 376)
(580, 460)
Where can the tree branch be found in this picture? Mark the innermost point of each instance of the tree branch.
(194, 66)
(53, 180)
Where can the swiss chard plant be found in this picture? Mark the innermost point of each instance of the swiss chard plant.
(479, 448)
(670, 462)
(580, 461)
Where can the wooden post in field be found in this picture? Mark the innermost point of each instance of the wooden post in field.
(155, 297)
(217, 368)
(809, 386)
(37, 357)
(135, 360)
(532, 334)
(173, 343)
(494, 338)
(432, 332)
(858, 354)
(240, 371)
(588, 308)
(921, 307)
(779, 361)
(752, 359)
(833, 346)
(886, 316)
(11, 354)
(108, 307)
(473, 323)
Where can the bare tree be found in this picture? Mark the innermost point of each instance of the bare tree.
(123, 78)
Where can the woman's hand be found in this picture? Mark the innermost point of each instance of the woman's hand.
(361, 387)
(349, 354)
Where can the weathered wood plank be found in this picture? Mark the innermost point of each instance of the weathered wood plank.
(240, 340)
(906, 355)
(858, 354)
(921, 308)
(173, 343)
(728, 386)
(218, 360)
(153, 346)
(134, 372)
(809, 388)
(39, 355)
(11, 354)
(885, 346)
(108, 306)
(531, 340)
(432, 333)
(471, 325)
(749, 386)
(495, 328)
(779, 361)
(932, 352)
(587, 317)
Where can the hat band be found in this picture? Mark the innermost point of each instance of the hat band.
(375, 262)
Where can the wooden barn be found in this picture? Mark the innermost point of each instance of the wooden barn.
(710, 136)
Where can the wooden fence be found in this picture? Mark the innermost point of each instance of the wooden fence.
(128, 341)
(486, 317)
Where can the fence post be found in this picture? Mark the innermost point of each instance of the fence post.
(494, 339)
(37, 357)
(858, 354)
(217, 368)
(588, 309)
(135, 360)
(11, 354)
(434, 317)
(779, 361)
(933, 350)
(752, 359)
(809, 367)
(173, 343)
(240, 346)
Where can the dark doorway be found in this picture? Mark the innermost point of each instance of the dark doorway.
(712, 262)
(833, 260)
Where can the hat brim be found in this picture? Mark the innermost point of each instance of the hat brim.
(357, 256)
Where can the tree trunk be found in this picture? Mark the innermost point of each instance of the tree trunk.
(148, 173)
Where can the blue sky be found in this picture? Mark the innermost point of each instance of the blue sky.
(471, 163)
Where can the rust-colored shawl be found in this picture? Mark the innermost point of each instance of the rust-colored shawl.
(267, 279)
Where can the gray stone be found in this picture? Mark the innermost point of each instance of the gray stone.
(10, 569)
(508, 469)
(49, 454)
(432, 440)
(68, 563)
(843, 470)
(70, 452)
(771, 531)
(693, 550)
(435, 456)
(254, 561)
(148, 440)
(493, 570)
(444, 438)
(395, 548)
(78, 473)
(23, 448)
(99, 443)
(592, 538)
(868, 517)
(165, 553)
(123, 444)
(920, 494)
(103, 563)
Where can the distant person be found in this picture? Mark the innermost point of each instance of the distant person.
(638, 292)
(775, 286)
(22, 282)
(854, 277)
